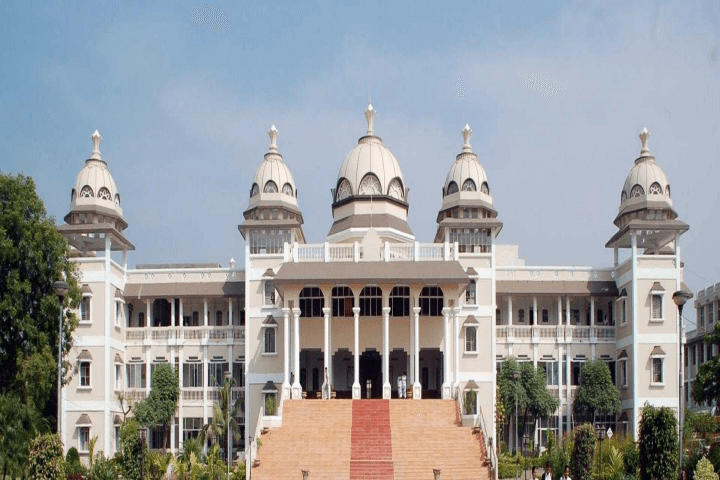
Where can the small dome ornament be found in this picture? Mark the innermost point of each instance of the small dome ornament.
(370, 117)
(273, 133)
(96, 139)
(467, 133)
(644, 137)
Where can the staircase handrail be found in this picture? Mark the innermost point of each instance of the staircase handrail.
(258, 431)
(479, 418)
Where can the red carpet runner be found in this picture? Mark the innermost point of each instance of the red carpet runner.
(371, 442)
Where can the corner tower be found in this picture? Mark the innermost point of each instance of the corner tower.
(370, 193)
(647, 331)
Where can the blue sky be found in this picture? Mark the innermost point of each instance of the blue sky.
(556, 95)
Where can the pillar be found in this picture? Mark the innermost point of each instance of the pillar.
(182, 313)
(205, 311)
(173, 317)
(296, 387)
(326, 350)
(230, 312)
(286, 353)
(417, 389)
(356, 356)
(387, 388)
(446, 390)
(456, 346)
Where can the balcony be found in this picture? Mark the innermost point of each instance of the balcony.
(557, 333)
(186, 335)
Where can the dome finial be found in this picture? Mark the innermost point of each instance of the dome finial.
(370, 117)
(644, 136)
(273, 133)
(96, 139)
(467, 133)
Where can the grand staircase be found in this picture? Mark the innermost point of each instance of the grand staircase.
(371, 440)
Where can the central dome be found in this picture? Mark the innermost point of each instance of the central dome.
(370, 168)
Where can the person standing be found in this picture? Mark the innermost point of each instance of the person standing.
(404, 385)
(399, 386)
(566, 473)
(547, 475)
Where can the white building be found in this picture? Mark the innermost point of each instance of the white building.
(369, 302)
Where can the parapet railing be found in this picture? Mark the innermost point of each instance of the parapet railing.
(387, 252)
(200, 334)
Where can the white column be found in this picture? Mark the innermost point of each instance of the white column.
(593, 337)
(356, 356)
(387, 389)
(410, 357)
(535, 311)
(592, 311)
(510, 311)
(567, 310)
(296, 387)
(205, 311)
(456, 344)
(173, 318)
(286, 353)
(326, 347)
(230, 313)
(560, 385)
(148, 315)
(417, 388)
(568, 365)
(447, 356)
(182, 314)
(180, 400)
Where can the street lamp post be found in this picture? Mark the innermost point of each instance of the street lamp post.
(516, 377)
(228, 380)
(680, 298)
(61, 289)
(526, 452)
(600, 430)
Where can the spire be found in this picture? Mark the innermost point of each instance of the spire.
(370, 117)
(96, 139)
(273, 133)
(467, 133)
(644, 136)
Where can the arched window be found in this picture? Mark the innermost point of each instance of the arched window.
(255, 190)
(287, 189)
(311, 302)
(117, 199)
(637, 191)
(73, 195)
(484, 188)
(104, 194)
(370, 185)
(86, 192)
(343, 302)
(431, 302)
(623, 197)
(471, 339)
(469, 186)
(395, 189)
(371, 302)
(270, 187)
(452, 188)
(471, 293)
(400, 302)
(344, 190)
(655, 189)
(667, 190)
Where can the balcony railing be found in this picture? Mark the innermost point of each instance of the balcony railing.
(562, 332)
(389, 252)
(200, 334)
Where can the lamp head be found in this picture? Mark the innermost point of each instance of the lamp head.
(61, 288)
(681, 297)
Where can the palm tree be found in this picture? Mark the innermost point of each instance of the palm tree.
(217, 427)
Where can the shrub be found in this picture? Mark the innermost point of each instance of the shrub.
(658, 443)
(583, 452)
(631, 458)
(705, 470)
(46, 461)
(132, 450)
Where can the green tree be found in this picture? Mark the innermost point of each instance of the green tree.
(132, 450)
(707, 382)
(658, 439)
(158, 409)
(217, 428)
(596, 392)
(18, 426)
(46, 461)
(583, 452)
(33, 255)
(701, 423)
(705, 470)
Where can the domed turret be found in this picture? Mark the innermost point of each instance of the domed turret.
(272, 217)
(95, 209)
(370, 192)
(467, 203)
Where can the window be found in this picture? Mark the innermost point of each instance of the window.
(484, 188)
(86, 192)
(470, 293)
(370, 185)
(218, 318)
(452, 188)
(471, 240)
(623, 197)
(702, 315)
(637, 191)
(193, 375)
(270, 340)
(344, 190)
(85, 374)
(216, 373)
(577, 372)
(85, 309)
(521, 315)
(471, 339)
(269, 293)
(624, 311)
(343, 302)
(545, 315)
(263, 241)
(551, 371)
(83, 439)
(255, 190)
(498, 316)
(270, 187)
(118, 379)
(371, 301)
(395, 189)
(192, 426)
(431, 302)
(469, 186)
(141, 319)
(623, 373)
(711, 317)
(701, 354)
(531, 316)
(104, 194)
(575, 316)
(400, 302)
(136, 375)
(657, 370)
(655, 189)
(287, 189)
(195, 319)
(471, 402)
(656, 307)
(311, 302)
(239, 374)
(118, 310)
(694, 354)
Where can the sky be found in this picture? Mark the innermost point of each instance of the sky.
(184, 93)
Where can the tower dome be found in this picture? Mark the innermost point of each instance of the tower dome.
(94, 185)
(370, 168)
(273, 177)
(466, 175)
(646, 191)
